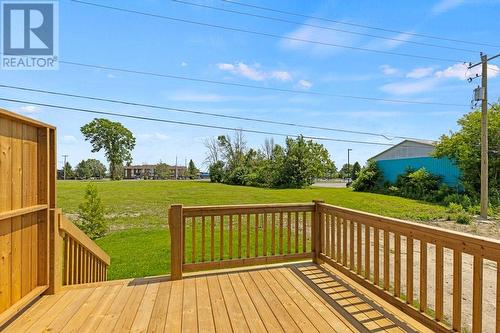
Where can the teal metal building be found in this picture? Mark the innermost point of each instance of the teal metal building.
(416, 154)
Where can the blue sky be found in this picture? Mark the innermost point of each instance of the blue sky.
(109, 38)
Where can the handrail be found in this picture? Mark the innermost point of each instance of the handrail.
(375, 251)
(82, 260)
(214, 237)
(79, 236)
(353, 241)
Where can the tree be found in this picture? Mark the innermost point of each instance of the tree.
(356, 168)
(116, 140)
(68, 171)
(90, 168)
(344, 172)
(163, 171)
(369, 179)
(83, 171)
(192, 171)
(216, 171)
(300, 163)
(463, 147)
(91, 213)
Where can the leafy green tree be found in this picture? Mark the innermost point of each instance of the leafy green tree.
(300, 163)
(356, 168)
(68, 171)
(116, 140)
(216, 171)
(192, 171)
(163, 171)
(370, 179)
(463, 147)
(91, 213)
(90, 168)
(83, 171)
(344, 172)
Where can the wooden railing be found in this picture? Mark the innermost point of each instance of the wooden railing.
(418, 268)
(82, 261)
(376, 250)
(233, 236)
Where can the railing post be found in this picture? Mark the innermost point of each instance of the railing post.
(176, 240)
(55, 258)
(316, 231)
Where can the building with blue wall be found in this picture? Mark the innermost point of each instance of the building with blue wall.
(416, 154)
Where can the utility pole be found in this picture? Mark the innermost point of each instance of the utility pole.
(348, 164)
(482, 95)
(175, 167)
(64, 166)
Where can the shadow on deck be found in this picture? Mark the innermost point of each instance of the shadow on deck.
(299, 297)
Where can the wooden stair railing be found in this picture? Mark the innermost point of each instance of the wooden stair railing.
(75, 258)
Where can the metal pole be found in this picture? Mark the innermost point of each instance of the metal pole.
(64, 166)
(348, 164)
(484, 138)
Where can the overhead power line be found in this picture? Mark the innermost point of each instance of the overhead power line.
(244, 85)
(186, 123)
(324, 27)
(266, 34)
(360, 25)
(211, 114)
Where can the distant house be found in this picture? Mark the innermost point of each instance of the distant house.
(148, 171)
(416, 154)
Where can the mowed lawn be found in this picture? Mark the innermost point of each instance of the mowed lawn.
(139, 242)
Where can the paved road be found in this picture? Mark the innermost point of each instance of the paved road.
(330, 185)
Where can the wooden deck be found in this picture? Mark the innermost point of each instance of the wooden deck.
(300, 297)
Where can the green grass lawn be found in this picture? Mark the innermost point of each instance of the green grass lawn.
(139, 243)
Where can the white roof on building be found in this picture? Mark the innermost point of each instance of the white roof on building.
(413, 148)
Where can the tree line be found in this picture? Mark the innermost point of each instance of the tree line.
(295, 165)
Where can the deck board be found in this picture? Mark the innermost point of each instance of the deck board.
(301, 297)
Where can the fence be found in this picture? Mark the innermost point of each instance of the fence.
(27, 193)
(402, 262)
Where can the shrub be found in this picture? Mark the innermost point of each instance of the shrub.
(463, 218)
(91, 213)
(455, 208)
(369, 179)
(419, 184)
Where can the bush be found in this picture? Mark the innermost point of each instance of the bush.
(369, 179)
(91, 213)
(455, 208)
(463, 218)
(419, 184)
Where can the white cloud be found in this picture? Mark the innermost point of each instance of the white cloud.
(446, 5)
(409, 88)
(184, 64)
(281, 75)
(389, 70)
(30, 109)
(190, 96)
(153, 137)
(420, 72)
(304, 84)
(461, 72)
(69, 139)
(325, 36)
(253, 72)
(111, 76)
